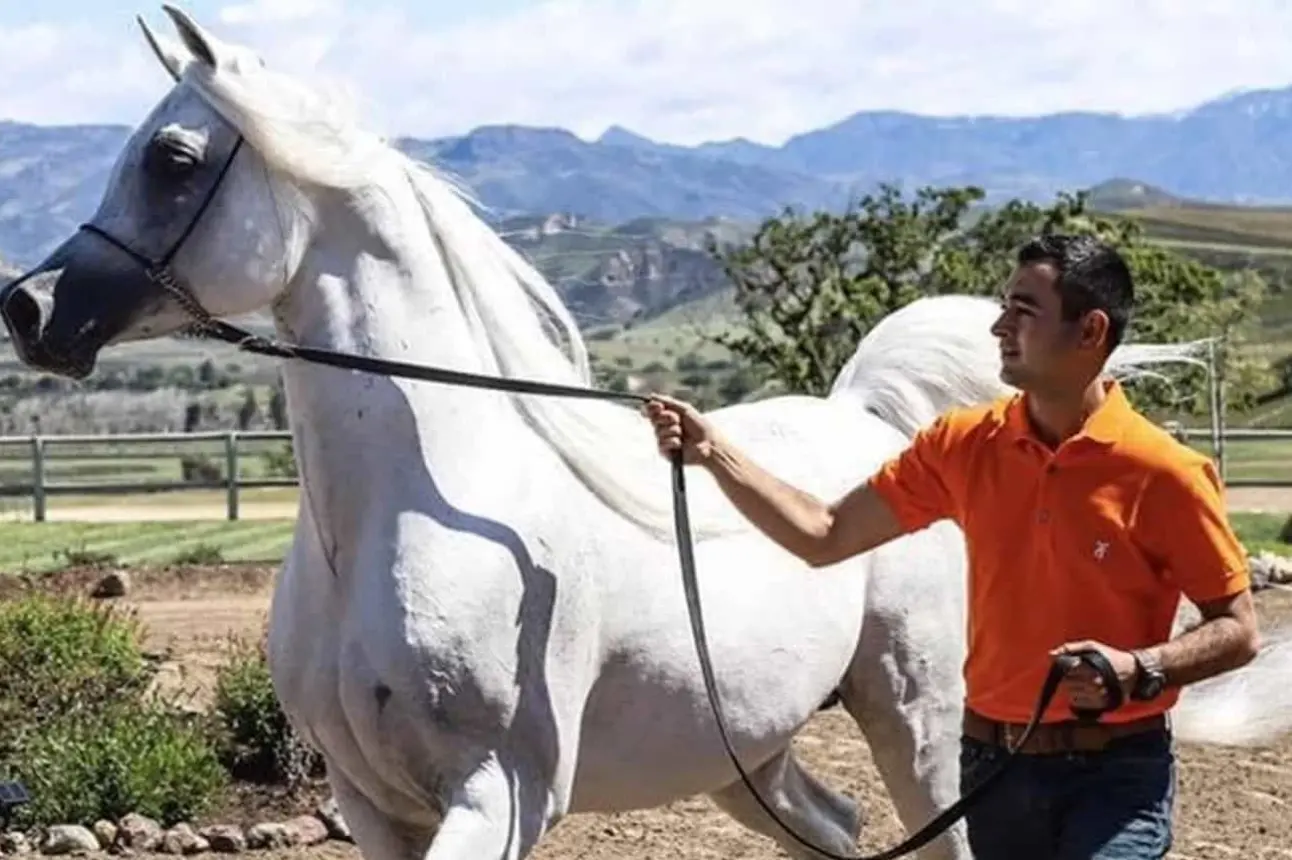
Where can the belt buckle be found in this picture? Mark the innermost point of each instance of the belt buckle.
(1007, 731)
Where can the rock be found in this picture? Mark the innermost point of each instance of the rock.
(1269, 569)
(183, 839)
(114, 584)
(105, 832)
(139, 832)
(330, 814)
(69, 839)
(269, 834)
(225, 838)
(306, 830)
(14, 842)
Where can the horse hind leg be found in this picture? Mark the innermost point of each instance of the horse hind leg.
(817, 813)
(905, 693)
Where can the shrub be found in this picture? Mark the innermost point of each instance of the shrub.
(78, 726)
(200, 553)
(133, 757)
(60, 657)
(257, 743)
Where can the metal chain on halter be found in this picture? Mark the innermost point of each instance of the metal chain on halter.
(205, 325)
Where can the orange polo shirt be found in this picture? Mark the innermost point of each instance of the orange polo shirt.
(1095, 540)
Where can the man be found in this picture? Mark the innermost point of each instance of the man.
(1084, 523)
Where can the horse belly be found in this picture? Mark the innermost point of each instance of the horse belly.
(781, 637)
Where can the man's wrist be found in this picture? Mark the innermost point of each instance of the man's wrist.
(1150, 677)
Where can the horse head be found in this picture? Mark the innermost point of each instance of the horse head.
(186, 203)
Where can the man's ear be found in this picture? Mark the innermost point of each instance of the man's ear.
(1095, 329)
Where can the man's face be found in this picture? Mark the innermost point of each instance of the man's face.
(1038, 350)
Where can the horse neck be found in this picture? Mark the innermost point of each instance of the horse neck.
(372, 285)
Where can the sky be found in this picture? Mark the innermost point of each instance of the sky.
(682, 71)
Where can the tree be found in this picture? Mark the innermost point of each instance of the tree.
(248, 410)
(278, 406)
(809, 287)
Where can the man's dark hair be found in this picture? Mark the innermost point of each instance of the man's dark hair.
(1092, 276)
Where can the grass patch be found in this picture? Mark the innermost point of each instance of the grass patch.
(1261, 532)
(40, 547)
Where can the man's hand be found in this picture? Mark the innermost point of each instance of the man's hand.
(1083, 684)
(821, 534)
(680, 426)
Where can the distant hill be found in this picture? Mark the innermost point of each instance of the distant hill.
(1122, 195)
(1230, 150)
(610, 275)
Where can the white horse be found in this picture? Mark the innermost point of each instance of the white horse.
(481, 623)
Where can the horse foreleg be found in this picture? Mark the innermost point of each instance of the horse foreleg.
(498, 812)
(377, 835)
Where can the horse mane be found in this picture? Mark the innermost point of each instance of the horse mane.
(930, 355)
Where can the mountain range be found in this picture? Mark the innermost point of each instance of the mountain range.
(1234, 149)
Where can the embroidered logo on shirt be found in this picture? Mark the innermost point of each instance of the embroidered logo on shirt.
(1101, 549)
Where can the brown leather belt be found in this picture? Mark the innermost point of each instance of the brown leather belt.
(1067, 736)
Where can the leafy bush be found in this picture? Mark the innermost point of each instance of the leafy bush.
(1285, 533)
(258, 744)
(200, 553)
(77, 722)
(60, 657)
(133, 757)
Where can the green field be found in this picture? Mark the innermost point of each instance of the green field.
(38, 547)
(42, 547)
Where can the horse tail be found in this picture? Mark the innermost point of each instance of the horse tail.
(1249, 706)
(938, 353)
(924, 358)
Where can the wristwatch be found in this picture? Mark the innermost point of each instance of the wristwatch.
(1150, 680)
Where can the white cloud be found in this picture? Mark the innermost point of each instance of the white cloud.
(691, 70)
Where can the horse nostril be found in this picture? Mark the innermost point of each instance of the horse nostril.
(22, 313)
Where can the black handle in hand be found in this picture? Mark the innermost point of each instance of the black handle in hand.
(1112, 684)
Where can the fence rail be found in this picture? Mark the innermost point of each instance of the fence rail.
(1241, 453)
(42, 451)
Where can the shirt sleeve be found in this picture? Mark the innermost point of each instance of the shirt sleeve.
(1183, 513)
(918, 484)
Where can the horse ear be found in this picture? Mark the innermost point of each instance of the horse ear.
(194, 37)
(167, 52)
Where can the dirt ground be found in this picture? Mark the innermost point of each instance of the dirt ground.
(1233, 803)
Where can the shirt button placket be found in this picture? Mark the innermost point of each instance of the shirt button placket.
(1043, 513)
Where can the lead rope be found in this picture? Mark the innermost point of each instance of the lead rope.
(204, 325)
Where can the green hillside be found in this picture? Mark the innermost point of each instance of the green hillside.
(649, 296)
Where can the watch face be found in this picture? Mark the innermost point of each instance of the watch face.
(1150, 682)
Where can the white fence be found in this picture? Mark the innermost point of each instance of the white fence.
(31, 465)
(42, 467)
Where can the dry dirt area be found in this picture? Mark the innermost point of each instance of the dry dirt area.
(1233, 803)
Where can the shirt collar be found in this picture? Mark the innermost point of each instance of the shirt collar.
(1104, 426)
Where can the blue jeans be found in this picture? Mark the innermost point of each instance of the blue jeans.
(1110, 805)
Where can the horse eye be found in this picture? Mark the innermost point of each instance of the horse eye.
(173, 160)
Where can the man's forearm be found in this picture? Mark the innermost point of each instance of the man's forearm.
(1215, 646)
(798, 521)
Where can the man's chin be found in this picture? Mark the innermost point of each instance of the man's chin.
(1012, 376)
